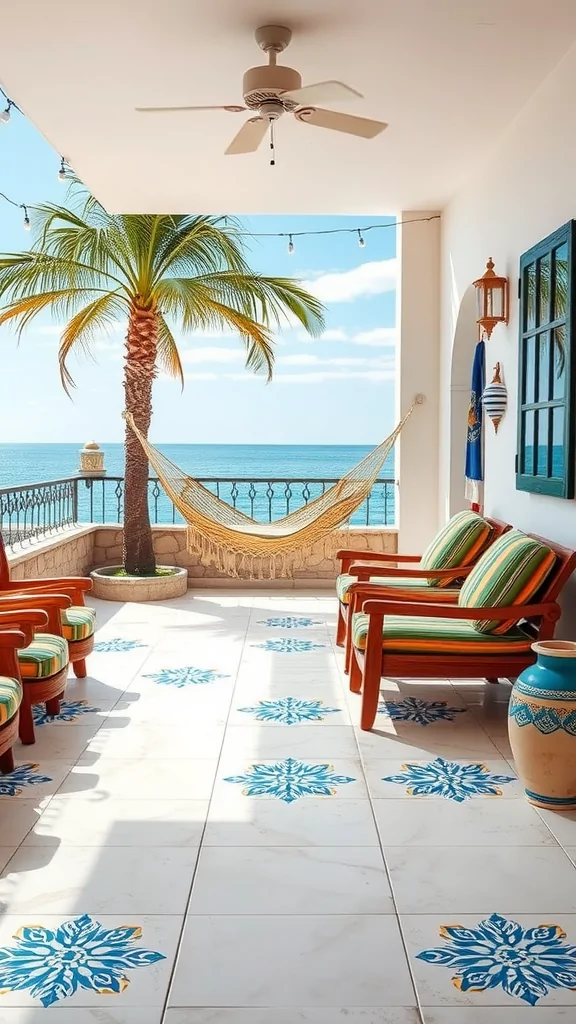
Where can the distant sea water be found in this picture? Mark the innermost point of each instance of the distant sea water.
(34, 463)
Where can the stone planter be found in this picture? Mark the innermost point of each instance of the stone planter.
(138, 588)
(542, 726)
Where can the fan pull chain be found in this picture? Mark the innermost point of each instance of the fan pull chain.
(272, 146)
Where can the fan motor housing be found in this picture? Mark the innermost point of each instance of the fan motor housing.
(266, 83)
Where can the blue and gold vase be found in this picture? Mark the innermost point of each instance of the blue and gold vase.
(542, 726)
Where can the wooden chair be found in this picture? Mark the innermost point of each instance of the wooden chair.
(366, 564)
(537, 621)
(43, 663)
(79, 621)
(11, 640)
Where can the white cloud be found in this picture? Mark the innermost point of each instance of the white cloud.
(197, 376)
(372, 278)
(373, 376)
(213, 354)
(377, 336)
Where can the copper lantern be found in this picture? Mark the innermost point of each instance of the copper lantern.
(491, 300)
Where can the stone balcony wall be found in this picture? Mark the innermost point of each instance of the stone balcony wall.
(74, 552)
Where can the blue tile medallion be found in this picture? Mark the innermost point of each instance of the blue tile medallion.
(421, 712)
(290, 711)
(186, 676)
(526, 963)
(450, 780)
(52, 964)
(70, 710)
(13, 783)
(289, 645)
(290, 622)
(289, 780)
(117, 645)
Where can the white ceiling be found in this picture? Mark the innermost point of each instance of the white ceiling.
(445, 74)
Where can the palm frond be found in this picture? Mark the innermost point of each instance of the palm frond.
(81, 329)
(167, 351)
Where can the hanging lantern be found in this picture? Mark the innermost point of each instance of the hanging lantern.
(495, 398)
(492, 294)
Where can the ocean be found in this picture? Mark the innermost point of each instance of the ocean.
(33, 463)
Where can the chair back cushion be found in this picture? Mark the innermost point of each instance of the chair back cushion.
(511, 572)
(458, 544)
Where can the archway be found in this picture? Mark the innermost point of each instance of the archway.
(465, 338)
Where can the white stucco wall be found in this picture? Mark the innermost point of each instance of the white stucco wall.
(525, 189)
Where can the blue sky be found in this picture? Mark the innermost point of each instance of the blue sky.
(338, 389)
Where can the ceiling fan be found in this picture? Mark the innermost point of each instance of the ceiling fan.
(273, 90)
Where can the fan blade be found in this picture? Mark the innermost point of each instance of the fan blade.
(179, 110)
(323, 92)
(249, 137)
(363, 127)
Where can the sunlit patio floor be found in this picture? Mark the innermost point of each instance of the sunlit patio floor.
(206, 837)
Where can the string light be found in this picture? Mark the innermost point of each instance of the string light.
(5, 114)
(361, 241)
(290, 245)
(62, 171)
(19, 206)
(26, 218)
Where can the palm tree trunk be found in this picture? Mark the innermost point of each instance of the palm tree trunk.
(139, 376)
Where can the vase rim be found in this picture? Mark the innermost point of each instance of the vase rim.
(555, 648)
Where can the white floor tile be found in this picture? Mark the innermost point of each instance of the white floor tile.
(148, 780)
(16, 820)
(291, 880)
(23, 784)
(156, 742)
(239, 821)
(291, 961)
(146, 987)
(93, 880)
(316, 741)
(498, 1014)
(55, 744)
(477, 822)
(444, 880)
(109, 823)
(299, 1015)
(84, 1015)
(426, 742)
(562, 824)
(342, 778)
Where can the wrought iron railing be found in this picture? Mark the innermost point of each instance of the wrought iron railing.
(38, 510)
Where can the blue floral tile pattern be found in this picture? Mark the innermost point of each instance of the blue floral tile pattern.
(290, 622)
(116, 645)
(23, 775)
(79, 954)
(421, 712)
(70, 710)
(290, 711)
(187, 676)
(526, 963)
(450, 780)
(289, 780)
(288, 645)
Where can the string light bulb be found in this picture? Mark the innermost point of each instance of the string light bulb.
(361, 241)
(62, 171)
(26, 219)
(5, 114)
(290, 245)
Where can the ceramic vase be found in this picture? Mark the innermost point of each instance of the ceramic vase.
(542, 726)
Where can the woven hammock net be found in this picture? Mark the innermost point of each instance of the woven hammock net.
(240, 546)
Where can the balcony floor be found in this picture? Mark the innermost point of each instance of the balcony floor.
(210, 839)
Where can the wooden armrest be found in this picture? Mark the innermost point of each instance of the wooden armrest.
(35, 601)
(15, 638)
(382, 556)
(358, 569)
(25, 621)
(52, 583)
(514, 613)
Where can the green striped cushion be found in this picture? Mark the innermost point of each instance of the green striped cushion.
(78, 623)
(405, 635)
(458, 543)
(404, 587)
(10, 697)
(46, 655)
(510, 572)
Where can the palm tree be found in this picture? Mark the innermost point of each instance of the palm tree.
(92, 269)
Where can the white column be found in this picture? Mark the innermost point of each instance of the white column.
(418, 368)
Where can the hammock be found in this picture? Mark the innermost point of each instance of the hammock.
(238, 545)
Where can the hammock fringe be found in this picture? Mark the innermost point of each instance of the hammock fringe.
(241, 547)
